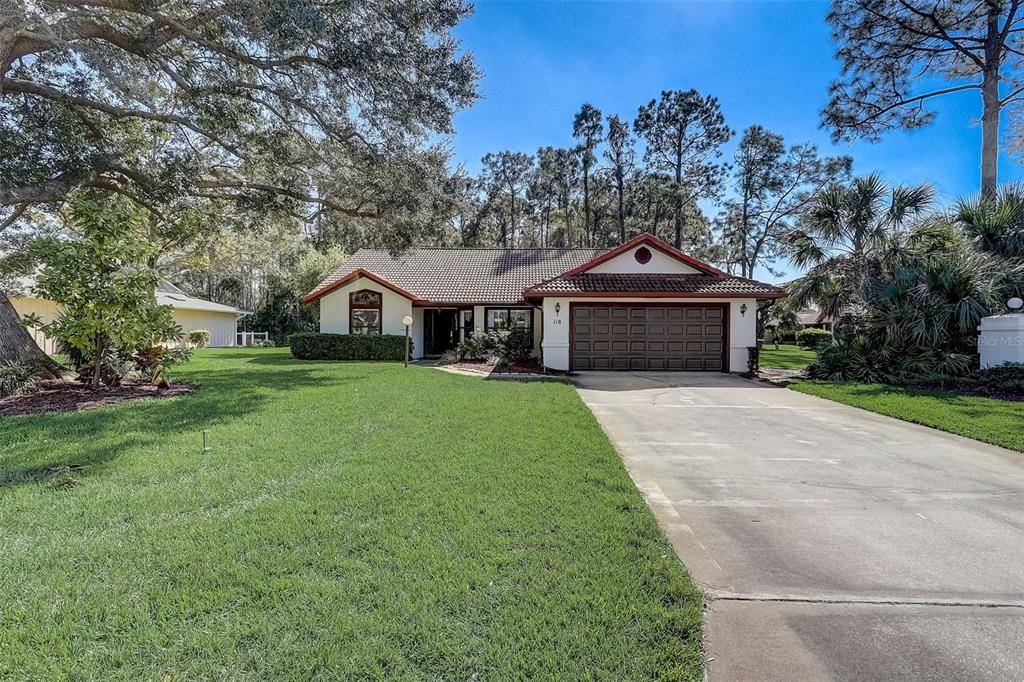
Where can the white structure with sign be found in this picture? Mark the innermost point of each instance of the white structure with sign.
(1001, 337)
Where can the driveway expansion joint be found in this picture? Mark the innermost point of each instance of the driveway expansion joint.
(715, 595)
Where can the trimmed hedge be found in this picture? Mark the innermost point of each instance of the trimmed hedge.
(811, 337)
(316, 346)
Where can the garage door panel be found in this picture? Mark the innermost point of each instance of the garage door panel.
(648, 337)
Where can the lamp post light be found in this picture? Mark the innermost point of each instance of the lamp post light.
(407, 321)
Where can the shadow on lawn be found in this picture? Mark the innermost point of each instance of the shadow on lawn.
(27, 443)
(287, 359)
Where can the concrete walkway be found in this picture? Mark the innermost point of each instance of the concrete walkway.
(833, 543)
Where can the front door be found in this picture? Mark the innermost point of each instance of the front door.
(440, 331)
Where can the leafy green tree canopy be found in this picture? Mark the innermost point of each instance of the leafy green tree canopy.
(317, 104)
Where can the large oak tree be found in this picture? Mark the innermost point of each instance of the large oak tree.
(305, 106)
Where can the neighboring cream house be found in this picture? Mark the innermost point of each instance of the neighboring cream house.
(189, 312)
(640, 306)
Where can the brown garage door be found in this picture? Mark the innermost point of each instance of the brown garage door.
(642, 337)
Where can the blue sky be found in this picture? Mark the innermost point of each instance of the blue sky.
(768, 63)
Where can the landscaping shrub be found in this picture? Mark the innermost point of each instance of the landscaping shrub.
(199, 337)
(812, 337)
(104, 284)
(497, 346)
(317, 346)
(15, 379)
(265, 343)
(753, 359)
(1008, 377)
(449, 357)
(858, 357)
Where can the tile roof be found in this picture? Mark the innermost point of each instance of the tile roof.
(458, 275)
(692, 285)
(168, 294)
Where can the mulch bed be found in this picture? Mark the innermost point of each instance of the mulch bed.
(521, 367)
(63, 395)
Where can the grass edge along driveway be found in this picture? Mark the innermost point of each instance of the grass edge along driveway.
(353, 521)
(997, 422)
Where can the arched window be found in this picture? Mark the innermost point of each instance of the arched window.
(364, 312)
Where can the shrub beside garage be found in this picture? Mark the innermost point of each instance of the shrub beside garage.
(318, 346)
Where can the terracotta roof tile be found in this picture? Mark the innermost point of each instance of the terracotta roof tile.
(454, 275)
(702, 285)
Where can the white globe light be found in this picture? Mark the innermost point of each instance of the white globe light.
(1015, 303)
(407, 321)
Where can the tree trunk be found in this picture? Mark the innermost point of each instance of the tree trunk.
(990, 107)
(97, 363)
(679, 197)
(586, 204)
(512, 218)
(990, 135)
(18, 347)
(622, 211)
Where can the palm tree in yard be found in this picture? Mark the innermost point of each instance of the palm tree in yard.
(993, 224)
(850, 236)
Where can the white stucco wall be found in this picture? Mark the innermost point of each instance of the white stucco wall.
(742, 328)
(334, 312)
(660, 264)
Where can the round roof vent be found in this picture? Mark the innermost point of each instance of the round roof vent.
(642, 255)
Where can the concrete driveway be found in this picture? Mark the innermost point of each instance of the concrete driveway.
(833, 543)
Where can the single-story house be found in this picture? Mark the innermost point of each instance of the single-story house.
(814, 318)
(643, 305)
(190, 312)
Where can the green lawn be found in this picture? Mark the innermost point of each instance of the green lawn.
(788, 356)
(354, 521)
(985, 419)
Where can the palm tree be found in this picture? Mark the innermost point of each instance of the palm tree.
(851, 235)
(994, 224)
